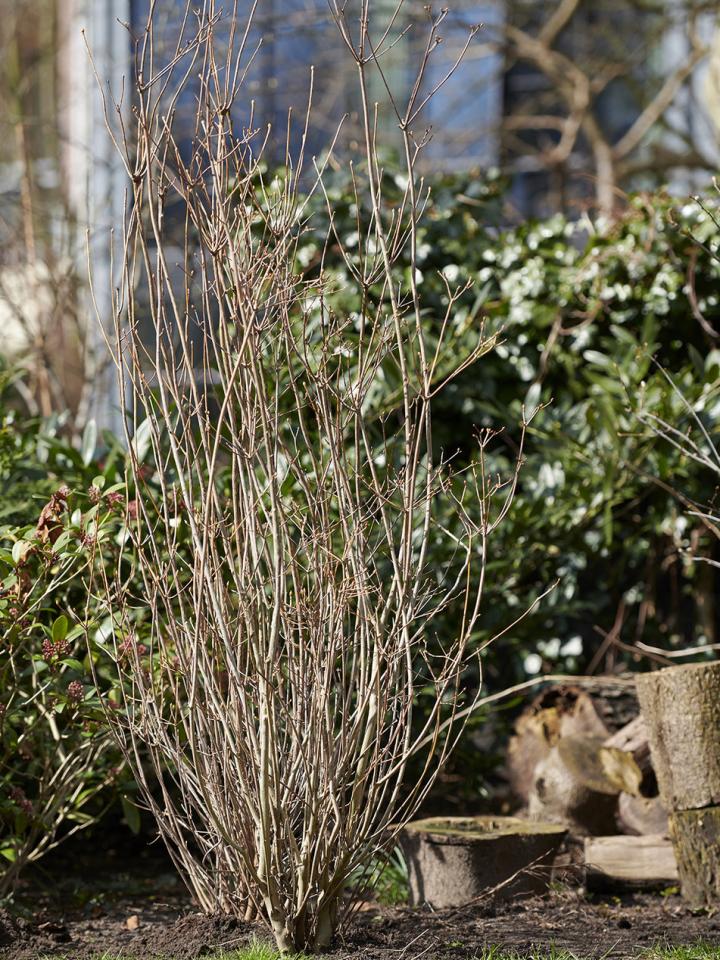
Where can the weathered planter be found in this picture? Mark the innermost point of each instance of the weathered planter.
(681, 706)
(455, 860)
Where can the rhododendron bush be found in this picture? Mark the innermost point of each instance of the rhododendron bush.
(61, 510)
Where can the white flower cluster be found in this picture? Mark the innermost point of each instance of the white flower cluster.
(520, 287)
(664, 289)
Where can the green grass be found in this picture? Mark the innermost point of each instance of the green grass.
(258, 950)
(697, 951)
(498, 953)
(255, 950)
(265, 950)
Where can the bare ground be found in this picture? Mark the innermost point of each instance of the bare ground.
(155, 925)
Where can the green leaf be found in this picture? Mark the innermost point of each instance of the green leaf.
(60, 629)
(20, 550)
(141, 441)
(89, 442)
(532, 400)
(61, 542)
(131, 814)
(698, 361)
(9, 854)
(116, 486)
(597, 358)
(73, 664)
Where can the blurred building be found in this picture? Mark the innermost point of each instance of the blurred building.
(574, 101)
(555, 94)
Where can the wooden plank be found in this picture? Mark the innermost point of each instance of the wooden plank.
(629, 861)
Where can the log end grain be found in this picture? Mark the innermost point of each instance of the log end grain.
(559, 795)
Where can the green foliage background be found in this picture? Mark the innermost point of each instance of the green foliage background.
(587, 317)
(62, 509)
(591, 319)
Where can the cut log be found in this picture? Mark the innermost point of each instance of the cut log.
(634, 862)
(642, 815)
(455, 860)
(614, 699)
(572, 768)
(595, 708)
(681, 707)
(601, 768)
(578, 784)
(696, 839)
(639, 812)
(557, 712)
(633, 738)
(561, 795)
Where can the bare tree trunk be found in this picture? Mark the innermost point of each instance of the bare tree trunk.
(696, 840)
(681, 706)
(606, 182)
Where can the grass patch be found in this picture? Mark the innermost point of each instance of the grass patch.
(696, 951)
(260, 950)
(257, 949)
(537, 953)
(265, 950)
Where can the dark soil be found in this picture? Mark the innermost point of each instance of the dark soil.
(607, 927)
(132, 904)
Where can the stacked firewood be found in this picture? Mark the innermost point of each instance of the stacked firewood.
(580, 756)
(638, 782)
(627, 791)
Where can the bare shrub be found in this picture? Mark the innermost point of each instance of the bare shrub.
(286, 565)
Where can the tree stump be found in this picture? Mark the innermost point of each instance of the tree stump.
(681, 706)
(456, 860)
(696, 839)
